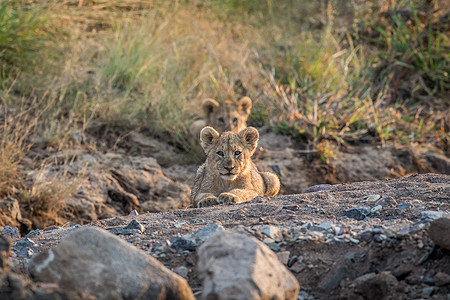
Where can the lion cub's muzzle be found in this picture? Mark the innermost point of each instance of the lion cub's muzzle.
(229, 173)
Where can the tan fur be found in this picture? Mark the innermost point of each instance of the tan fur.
(226, 116)
(229, 175)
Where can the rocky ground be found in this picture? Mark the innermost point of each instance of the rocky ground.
(365, 240)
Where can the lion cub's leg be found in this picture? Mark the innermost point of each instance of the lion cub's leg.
(205, 200)
(236, 196)
(271, 183)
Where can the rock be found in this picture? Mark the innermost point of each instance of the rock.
(133, 213)
(283, 257)
(134, 227)
(428, 280)
(11, 232)
(193, 240)
(404, 206)
(343, 268)
(376, 208)
(433, 215)
(34, 233)
(402, 271)
(442, 279)
(318, 188)
(5, 246)
(182, 271)
(106, 266)
(439, 232)
(302, 295)
(237, 266)
(375, 286)
(428, 291)
(273, 232)
(297, 267)
(357, 213)
(372, 198)
(24, 243)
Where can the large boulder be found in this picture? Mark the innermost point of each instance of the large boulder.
(110, 185)
(440, 232)
(237, 266)
(96, 262)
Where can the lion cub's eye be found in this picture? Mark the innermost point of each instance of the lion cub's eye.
(235, 121)
(237, 153)
(221, 121)
(220, 154)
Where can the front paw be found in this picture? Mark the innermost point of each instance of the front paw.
(208, 201)
(228, 198)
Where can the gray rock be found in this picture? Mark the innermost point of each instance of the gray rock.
(34, 233)
(283, 257)
(273, 232)
(11, 232)
(107, 267)
(375, 209)
(433, 215)
(193, 240)
(134, 227)
(302, 295)
(357, 213)
(439, 232)
(237, 266)
(343, 268)
(133, 213)
(442, 279)
(375, 286)
(372, 198)
(24, 243)
(404, 206)
(182, 271)
(25, 252)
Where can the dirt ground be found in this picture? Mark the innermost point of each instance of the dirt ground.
(387, 254)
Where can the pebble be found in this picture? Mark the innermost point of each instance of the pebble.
(293, 259)
(273, 232)
(372, 198)
(182, 271)
(376, 208)
(357, 213)
(11, 232)
(135, 225)
(283, 257)
(193, 240)
(379, 238)
(297, 267)
(442, 279)
(133, 213)
(428, 280)
(404, 206)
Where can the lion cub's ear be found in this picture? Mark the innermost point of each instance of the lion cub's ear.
(209, 105)
(245, 105)
(250, 137)
(208, 136)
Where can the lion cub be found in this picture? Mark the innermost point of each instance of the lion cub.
(226, 116)
(229, 175)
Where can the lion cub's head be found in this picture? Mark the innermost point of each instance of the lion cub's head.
(229, 153)
(228, 116)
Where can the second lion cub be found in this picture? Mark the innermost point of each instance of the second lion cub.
(229, 175)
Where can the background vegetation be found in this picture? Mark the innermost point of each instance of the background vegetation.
(323, 71)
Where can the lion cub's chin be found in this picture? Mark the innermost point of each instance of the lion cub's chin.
(228, 177)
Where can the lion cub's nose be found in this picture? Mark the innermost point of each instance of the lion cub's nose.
(228, 168)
